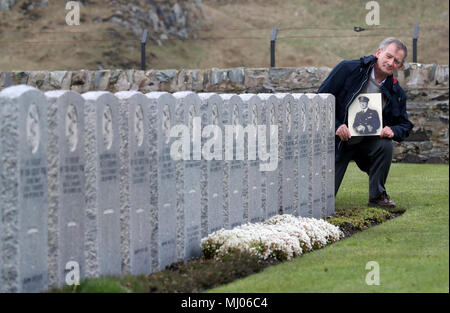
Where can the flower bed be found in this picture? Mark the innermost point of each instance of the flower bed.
(282, 237)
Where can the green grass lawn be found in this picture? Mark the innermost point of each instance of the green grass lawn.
(412, 250)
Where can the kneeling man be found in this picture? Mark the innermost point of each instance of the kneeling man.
(372, 154)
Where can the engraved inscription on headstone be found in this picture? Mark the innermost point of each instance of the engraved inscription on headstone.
(212, 162)
(135, 182)
(102, 241)
(33, 131)
(304, 156)
(330, 142)
(107, 131)
(188, 114)
(72, 126)
(66, 179)
(166, 197)
(317, 184)
(271, 203)
(288, 148)
(253, 105)
(234, 157)
(23, 193)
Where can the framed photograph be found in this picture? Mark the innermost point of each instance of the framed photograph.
(365, 116)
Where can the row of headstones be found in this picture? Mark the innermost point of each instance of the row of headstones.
(90, 182)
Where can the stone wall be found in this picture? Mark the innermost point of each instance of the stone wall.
(425, 84)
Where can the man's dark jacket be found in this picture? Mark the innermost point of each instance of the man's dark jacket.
(346, 81)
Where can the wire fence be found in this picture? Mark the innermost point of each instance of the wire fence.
(105, 38)
(217, 38)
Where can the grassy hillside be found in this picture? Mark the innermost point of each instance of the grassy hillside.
(236, 33)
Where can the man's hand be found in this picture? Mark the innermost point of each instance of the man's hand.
(387, 132)
(343, 132)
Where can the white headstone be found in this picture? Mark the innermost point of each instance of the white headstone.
(212, 163)
(271, 194)
(304, 156)
(23, 190)
(317, 155)
(164, 193)
(188, 114)
(323, 143)
(233, 107)
(288, 152)
(135, 182)
(102, 144)
(66, 178)
(329, 128)
(252, 114)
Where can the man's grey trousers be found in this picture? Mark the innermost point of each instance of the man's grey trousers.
(373, 155)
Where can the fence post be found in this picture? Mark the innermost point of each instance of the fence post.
(272, 47)
(416, 34)
(143, 43)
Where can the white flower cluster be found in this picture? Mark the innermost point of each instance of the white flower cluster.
(282, 237)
